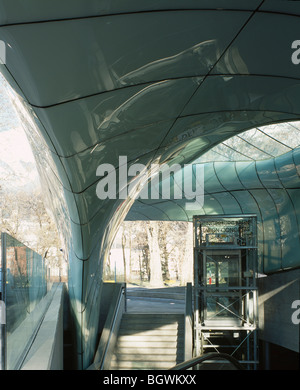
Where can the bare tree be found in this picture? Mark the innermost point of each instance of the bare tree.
(157, 252)
(156, 279)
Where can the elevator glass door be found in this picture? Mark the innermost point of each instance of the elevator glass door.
(222, 299)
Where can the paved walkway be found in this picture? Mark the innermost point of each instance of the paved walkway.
(148, 300)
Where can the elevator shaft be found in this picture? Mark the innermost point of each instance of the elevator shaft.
(225, 292)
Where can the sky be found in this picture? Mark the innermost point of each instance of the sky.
(15, 152)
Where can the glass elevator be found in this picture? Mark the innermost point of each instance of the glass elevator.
(225, 292)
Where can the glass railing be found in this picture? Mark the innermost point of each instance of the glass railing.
(23, 288)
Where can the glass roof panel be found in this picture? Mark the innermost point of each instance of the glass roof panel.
(287, 133)
(262, 142)
(222, 152)
(256, 144)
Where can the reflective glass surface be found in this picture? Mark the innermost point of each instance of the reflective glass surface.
(164, 81)
(217, 308)
(25, 288)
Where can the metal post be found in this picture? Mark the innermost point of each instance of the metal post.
(3, 305)
(267, 355)
(196, 301)
(255, 349)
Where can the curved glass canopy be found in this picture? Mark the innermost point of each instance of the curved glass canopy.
(159, 82)
(268, 188)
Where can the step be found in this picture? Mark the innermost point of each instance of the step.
(149, 344)
(154, 316)
(146, 350)
(154, 323)
(127, 324)
(149, 341)
(131, 326)
(153, 336)
(151, 332)
(146, 365)
(144, 357)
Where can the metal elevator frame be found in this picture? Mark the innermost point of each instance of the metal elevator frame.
(225, 291)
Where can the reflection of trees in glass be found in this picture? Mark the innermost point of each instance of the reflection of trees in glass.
(24, 216)
(217, 272)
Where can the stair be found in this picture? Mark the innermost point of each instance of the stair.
(149, 342)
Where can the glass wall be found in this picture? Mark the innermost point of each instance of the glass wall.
(24, 285)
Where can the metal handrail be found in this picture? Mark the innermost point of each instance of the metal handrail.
(116, 307)
(200, 359)
(188, 323)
